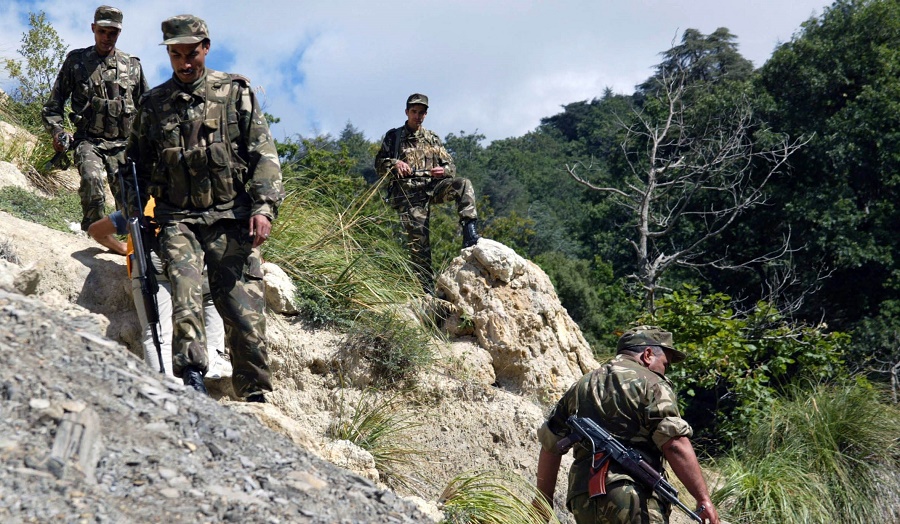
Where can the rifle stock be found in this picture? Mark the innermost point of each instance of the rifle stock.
(141, 261)
(604, 446)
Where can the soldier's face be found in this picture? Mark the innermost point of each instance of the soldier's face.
(188, 60)
(415, 115)
(104, 38)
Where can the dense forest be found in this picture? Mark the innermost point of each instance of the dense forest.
(776, 184)
(750, 211)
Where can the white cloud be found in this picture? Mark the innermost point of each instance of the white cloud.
(495, 66)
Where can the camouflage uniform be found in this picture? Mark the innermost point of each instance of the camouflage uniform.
(413, 196)
(205, 153)
(637, 406)
(104, 95)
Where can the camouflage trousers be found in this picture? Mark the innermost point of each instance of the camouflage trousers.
(96, 162)
(236, 286)
(412, 199)
(624, 503)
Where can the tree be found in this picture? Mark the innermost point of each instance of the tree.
(44, 53)
(701, 58)
(692, 170)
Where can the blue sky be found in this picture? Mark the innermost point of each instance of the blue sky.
(492, 66)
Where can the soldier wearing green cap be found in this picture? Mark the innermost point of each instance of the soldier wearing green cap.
(420, 172)
(104, 85)
(203, 151)
(631, 398)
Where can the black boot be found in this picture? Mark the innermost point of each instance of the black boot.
(194, 378)
(257, 397)
(470, 237)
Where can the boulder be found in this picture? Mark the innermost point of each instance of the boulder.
(513, 311)
(280, 290)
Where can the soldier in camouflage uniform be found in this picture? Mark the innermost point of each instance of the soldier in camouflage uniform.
(203, 150)
(105, 85)
(631, 398)
(422, 173)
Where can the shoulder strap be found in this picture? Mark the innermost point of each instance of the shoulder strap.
(398, 137)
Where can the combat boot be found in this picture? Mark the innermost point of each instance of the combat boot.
(470, 237)
(191, 376)
(257, 397)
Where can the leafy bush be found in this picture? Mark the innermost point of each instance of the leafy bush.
(737, 364)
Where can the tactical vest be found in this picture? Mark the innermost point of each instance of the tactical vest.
(198, 167)
(110, 111)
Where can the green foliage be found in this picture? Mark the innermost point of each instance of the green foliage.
(334, 236)
(817, 455)
(492, 497)
(836, 81)
(380, 425)
(737, 364)
(55, 213)
(397, 349)
(43, 52)
(702, 59)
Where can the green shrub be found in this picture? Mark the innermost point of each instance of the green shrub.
(736, 363)
(380, 425)
(820, 455)
(492, 497)
(55, 213)
(396, 347)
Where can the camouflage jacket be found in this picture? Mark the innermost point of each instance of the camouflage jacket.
(634, 404)
(421, 149)
(204, 151)
(104, 94)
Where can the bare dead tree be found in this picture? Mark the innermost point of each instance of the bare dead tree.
(689, 173)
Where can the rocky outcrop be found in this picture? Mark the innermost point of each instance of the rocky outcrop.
(509, 304)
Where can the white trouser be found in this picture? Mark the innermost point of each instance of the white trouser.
(215, 328)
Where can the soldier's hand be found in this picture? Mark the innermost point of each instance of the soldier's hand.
(437, 172)
(403, 169)
(260, 227)
(58, 144)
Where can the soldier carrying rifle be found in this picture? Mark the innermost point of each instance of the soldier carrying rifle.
(633, 400)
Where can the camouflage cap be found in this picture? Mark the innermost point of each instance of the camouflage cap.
(417, 98)
(184, 29)
(108, 17)
(642, 336)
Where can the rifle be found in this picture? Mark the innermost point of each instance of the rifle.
(141, 263)
(61, 158)
(603, 447)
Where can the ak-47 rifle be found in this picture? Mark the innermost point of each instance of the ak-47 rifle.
(141, 263)
(603, 447)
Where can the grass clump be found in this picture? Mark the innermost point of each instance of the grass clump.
(828, 455)
(334, 238)
(396, 347)
(55, 213)
(380, 425)
(492, 497)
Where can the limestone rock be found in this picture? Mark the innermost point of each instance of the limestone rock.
(350, 456)
(280, 291)
(16, 142)
(10, 175)
(536, 348)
